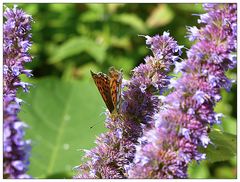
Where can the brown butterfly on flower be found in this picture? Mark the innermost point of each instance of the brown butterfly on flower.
(109, 87)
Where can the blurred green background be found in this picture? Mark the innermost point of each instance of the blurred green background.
(68, 41)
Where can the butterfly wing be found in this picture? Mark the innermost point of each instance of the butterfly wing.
(115, 86)
(103, 84)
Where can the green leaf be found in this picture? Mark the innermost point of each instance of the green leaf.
(198, 171)
(112, 8)
(121, 62)
(224, 146)
(160, 16)
(96, 7)
(229, 124)
(225, 172)
(120, 42)
(131, 20)
(94, 13)
(91, 16)
(77, 45)
(188, 7)
(59, 115)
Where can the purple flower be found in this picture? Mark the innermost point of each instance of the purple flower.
(192, 33)
(181, 125)
(116, 149)
(16, 43)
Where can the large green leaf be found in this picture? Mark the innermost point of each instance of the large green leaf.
(77, 45)
(196, 171)
(160, 16)
(131, 20)
(187, 7)
(224, 146)
(59, 115)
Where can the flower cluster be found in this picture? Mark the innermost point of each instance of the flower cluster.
(115, 149)
(16, 43)
(182, 125)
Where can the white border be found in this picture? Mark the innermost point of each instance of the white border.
(119, 1)
(108, 1)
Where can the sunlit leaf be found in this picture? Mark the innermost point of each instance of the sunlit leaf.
(123, 43)
(160, 16)
(91, 16)
(59, 115)
(94, 13)
(59, 7)
(75, 46)
(189, 7)
(198, 171)
(112, 8)
(225, 172)
(96, 7)
(229, 125)
(131, 20)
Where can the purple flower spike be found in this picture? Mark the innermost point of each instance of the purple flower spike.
(181, 126)
(16, 43)
(116, 149)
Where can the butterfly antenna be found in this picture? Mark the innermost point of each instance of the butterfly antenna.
(95, 124)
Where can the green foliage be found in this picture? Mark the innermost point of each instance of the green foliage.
(196, 171)
(101, 34)
(223, 147)
(75, 46)
(131, 20)
(161, 15)
(60, 115)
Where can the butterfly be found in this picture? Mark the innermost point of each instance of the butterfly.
(109, 87)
